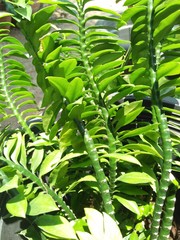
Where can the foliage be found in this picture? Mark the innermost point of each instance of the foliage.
(97, 144)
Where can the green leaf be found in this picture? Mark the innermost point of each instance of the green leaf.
(76, 111)
(168, 69)
(17, 206)
(148, 149)
(128, 113)
(25, 12)
(61, 84)
(122, 157)
(13, 183)
(84, 236)
(104, 10)
(68, 66)
(138, 131)
(56, 227)
(88, 178)
(43, 203)
(36, 158)
(165, 25)
(105, 82)
(95, 223)
(75, 89)
(50, 162)
(129, 204)
(136, 178)
(111, 229)
(53, 55)
(102, 226)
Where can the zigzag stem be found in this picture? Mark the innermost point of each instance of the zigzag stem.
(9, 99)
(100, 176)
(97, 96)
(65, 208)
(168, 213)
(165, 138)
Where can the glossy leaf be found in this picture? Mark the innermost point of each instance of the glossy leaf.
(56, 227)
(102, 226)
(123, 158)
(136, 178)
(17, 206)
(11, 184)
(168, 69)
(74, 90)
(36, 158)
(41, 204)
(129, 204)
(50, 162)
(61, 84)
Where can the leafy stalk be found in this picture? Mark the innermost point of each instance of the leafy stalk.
(165, 138)
(9, 100)
(97, 95)
(44, 187)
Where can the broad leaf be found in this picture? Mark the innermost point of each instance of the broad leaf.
(74, 89)
(61, 84)
(50, 162)
(129, 204)
(17, 206)
(13, 183)
(136, 178)
(56, 227)
(122, 157)
(43, 203)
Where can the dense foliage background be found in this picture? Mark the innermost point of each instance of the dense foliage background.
(108, 138)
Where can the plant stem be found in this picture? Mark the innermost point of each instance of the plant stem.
(9, 100)
(98, 101)
(100, 176)
(159, 117)
(168, 214)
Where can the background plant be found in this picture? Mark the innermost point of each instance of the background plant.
(93, 147)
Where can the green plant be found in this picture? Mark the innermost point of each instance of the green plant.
(92, 148)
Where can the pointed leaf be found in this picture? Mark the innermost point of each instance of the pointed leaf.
(129, 204)
(123, 157)
(68, 66)
(43, 203)
(61, 84)
(136, 178)
(95, 223)
(17, 206)
(50, 162)
(168, 69)
(56, 227)
(13, 183)
(74, 90)
(111, 229)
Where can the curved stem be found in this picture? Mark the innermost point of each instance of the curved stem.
(9, 100)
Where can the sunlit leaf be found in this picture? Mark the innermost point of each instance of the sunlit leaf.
(17, 206)
(136, 178)
(43, 203)
(123, 157)
(13, 183)
(129, 204)
(56, 227)
(50, 162)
